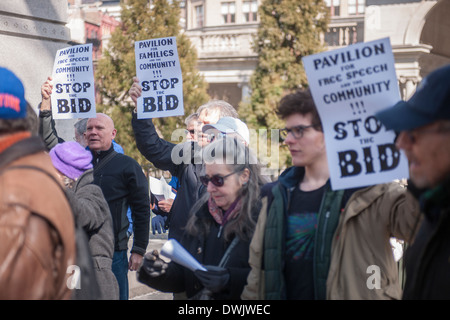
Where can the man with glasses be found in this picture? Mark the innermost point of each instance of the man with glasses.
(302, 211)
(191, 123)
(423, 127)
(312, 242)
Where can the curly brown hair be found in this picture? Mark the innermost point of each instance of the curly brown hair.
(300, 102)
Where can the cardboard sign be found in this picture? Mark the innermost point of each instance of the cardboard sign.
(159, 72)
(348, 86)
(73, 94)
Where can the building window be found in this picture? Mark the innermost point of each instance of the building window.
(250, 10)
(334, 6)
(228, 12)
(199, 16)
(356, 7)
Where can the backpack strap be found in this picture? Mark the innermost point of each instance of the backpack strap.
(227, 253)
(105, 160)
(29, 167)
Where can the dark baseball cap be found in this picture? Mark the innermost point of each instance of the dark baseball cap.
(430, 103)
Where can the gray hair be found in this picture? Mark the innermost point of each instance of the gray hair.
(225, 109)
(232, 151)
(80, 126)
(190, 118)
(29, 123)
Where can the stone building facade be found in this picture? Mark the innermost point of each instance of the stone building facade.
(31, 31)
(222, 32)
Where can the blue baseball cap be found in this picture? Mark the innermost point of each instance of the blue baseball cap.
(12, 96)
(430, 103)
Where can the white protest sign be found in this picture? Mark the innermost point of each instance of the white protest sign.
(348, 86)
(73, 94)
(159, 72)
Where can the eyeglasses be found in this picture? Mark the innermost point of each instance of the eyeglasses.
(192, 131)
(296, 131)
(216, 179)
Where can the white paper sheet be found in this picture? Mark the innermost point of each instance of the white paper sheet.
(161, 189)
(173, 250)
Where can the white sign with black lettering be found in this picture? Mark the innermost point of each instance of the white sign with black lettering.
(159, 72)
(349, 85)
(73, 94)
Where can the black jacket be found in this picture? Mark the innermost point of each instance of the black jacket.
(124, 184)
(208, 250)
(159, 152)
(427, 260)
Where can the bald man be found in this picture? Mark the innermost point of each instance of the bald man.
(123, 184)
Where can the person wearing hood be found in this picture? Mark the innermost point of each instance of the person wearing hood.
(91, 210)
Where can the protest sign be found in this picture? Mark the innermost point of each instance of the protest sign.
(159, 72)
(73, 94)
(348, 86)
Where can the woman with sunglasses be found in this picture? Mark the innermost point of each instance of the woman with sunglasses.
(219, 230)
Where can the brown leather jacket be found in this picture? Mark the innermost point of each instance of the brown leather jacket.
(37, 238)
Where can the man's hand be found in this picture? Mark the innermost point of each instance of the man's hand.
(165, 204)
(135, 261)
(46, 92)
(135, 90)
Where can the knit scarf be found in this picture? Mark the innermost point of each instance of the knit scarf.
(11, 139)
(222, 217)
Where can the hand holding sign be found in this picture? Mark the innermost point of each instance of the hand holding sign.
(46, 93)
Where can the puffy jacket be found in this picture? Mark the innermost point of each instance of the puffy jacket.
(159, 152)
(37, 239)
(267, 249)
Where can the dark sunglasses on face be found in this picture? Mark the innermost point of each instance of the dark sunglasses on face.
(216, 179)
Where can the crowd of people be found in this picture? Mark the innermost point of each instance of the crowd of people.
(289, 239)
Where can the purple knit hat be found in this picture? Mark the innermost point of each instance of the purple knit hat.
(71, 159)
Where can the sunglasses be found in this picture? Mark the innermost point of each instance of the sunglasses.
(216, 179)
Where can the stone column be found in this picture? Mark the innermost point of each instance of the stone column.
(31, 31)
(408, 86)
